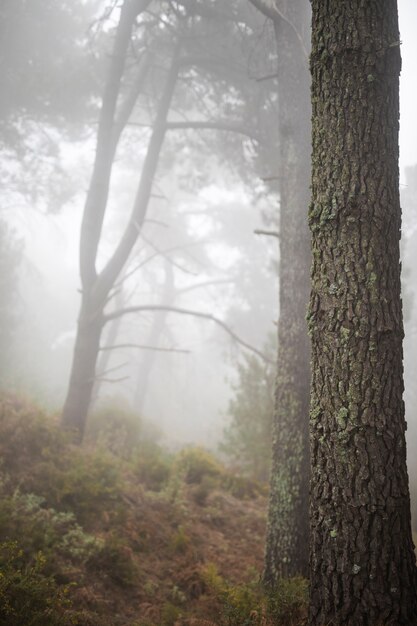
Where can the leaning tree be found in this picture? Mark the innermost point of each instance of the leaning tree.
(362, 559)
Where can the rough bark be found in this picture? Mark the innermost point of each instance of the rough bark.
(362, 563)
(287, 534)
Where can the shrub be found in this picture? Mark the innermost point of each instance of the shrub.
(242, 487)
(287, 606)
(27, 436)
(152, 466)
(87, 483)
(169, 614)
(115, 560)
(27, 596)
(248, 605)
(196, 463)
(180, 541)
(38, 528)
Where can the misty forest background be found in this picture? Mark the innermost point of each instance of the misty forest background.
(159, 517)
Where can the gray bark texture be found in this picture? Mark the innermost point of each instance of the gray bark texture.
(286, 551)
(362, 562)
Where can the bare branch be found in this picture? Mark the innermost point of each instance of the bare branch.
(224, 126)
(143, 347)
(206, 283)
(168, 258)
(111, 369)
(266, 77)
(112, 380)
(270, 9)
(269, 233)
(180, 311)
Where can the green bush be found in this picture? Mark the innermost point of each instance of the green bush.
(115, 560)
(196, 463)
(25, 517)
(247, 438)
(169, 614)
(180, 541)
(152, 466)
(38, 457)
(247, 604)
(242, 487)
(27, 436)
(87, 483)
(28, 597)
(241, 605)
(287, 606)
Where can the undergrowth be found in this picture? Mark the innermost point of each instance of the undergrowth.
(89, 531)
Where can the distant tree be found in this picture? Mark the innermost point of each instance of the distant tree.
(363, 568)
(286, 551)
(247, 440)
(171, 49)
(10, 258)
(47, 76)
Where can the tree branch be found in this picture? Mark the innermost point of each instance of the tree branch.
(110, 272)
(180, 311)
(224, 126)
(269, 233)
(107, 136)
(143, 347)
(168, 258)
(270, 9)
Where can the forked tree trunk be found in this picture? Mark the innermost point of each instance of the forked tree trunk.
(363, 568)
(96, 287)
(287, 535)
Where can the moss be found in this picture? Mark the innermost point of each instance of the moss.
(342, 416)
(345, 334)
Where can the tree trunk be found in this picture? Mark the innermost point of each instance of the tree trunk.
(287, 535)
(104, 358)
(83, 371)
(362, 559)
(96, 287)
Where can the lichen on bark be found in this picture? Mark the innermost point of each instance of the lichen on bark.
(362, 561)
(287, 535)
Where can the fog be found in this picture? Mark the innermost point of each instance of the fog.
(198, 235)
(202, 296)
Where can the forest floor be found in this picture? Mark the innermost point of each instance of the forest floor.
(128, 536)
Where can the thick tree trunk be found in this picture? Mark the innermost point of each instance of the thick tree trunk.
(362, 560)
(287, 535)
